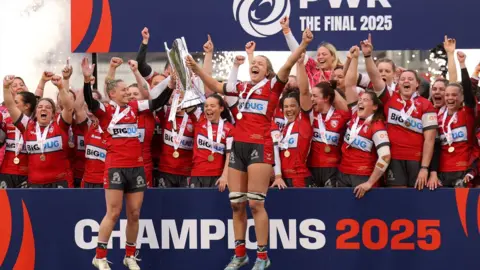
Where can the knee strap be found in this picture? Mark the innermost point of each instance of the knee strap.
(256, 196)
(237, 197)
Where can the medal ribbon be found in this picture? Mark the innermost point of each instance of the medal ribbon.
(177, 137)
(41, 137)
(284, 141)
(448, 133)
(406, 115)
(321, 124)
(355, 129)
(219, 133)
(253, 89)
(18, 141)
(117, 116)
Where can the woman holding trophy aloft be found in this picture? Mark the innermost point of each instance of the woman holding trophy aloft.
(251, 158)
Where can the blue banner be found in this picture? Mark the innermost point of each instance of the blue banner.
(115, 26)
(192, 229)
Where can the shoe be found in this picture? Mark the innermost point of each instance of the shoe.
(101, 264)
(261, 264)
(131, 262)
(237, 262)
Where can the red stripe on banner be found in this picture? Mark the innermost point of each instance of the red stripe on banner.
(461, 196)
(103, 38)
(5, 225)
(26, 256)
(81, 14)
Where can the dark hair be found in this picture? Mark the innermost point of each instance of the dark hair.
(270, 72)
(226, 111)
(30, 99)
(386, 60)
(378, 115)
(328, 90)
(290, 93)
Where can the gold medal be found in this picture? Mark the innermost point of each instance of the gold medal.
(451, 149)
(176, 154)
(16, 160)
(42, 157)
(239, 115)
(407, 124)
(71, 144)
(327, 149)
(286, 153)
(211, 158)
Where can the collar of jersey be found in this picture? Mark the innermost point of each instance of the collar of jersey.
(114, 104)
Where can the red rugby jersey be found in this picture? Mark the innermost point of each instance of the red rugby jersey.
(255, 125)
(202, 148)
(183, 164)
(407, 141)
(279, 117)
(335, 130)
(146, 127)
(359, 157)
(78, 161)
(95, 155)
(56, 166)
(315, 74)
(299, 140)
(157, 139)
(462, 140)
(8, 167)
(123, 147)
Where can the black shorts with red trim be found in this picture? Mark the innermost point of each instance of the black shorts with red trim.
(12, 181)
(245, 154)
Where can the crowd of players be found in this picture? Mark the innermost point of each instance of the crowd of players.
(328, 126)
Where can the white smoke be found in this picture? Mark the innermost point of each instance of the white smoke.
(34, 37)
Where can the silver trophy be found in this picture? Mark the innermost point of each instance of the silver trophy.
(186, 81)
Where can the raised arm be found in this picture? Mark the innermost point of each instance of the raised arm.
(66, 74)
(208, 48)
(450, 44)
(208, 81)
(302, 80)
(372, 70)
(142, 84)
(468, 95)
(115, 62)
(63, 95)
(351, 77)
(144, 68)
(46, 77)
(292, 43)
(79, 107)
(8, 100)
(250, 49)
(87, 70)
(284, 71)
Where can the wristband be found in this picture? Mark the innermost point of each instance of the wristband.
(424, 167)
(367, 56)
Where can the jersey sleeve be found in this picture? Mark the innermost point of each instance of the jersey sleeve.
(101, 112)
(232, 92)
(62, 124)
(306, 129)
(142, 105)
(275, 132)
(364, 81)
(276, 85)
(22, 123)
(229, 139)
(429, 117)
(380, 135)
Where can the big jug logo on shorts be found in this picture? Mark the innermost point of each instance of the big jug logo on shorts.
(246, 14)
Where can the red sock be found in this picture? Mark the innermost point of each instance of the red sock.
(101, 251)
(240, 250)
(262, 252)
(130, 249)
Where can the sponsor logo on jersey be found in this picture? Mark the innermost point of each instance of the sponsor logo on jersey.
(430, 119)
(125, 131)
(256, 106)
(334, 123)
(332, 137)
(51, 145)
(95, 153)
(459, 134)
(360, 142)
(280, 122)
(380, 137)
(10, 146)
(292, 141)
(141, 134)
(204, 143)
(186, 143)
(395, 118)
(80, 143)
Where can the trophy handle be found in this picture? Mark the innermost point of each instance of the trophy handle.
(185, 45)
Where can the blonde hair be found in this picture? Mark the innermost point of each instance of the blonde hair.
(270, 72)
(333, 51)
